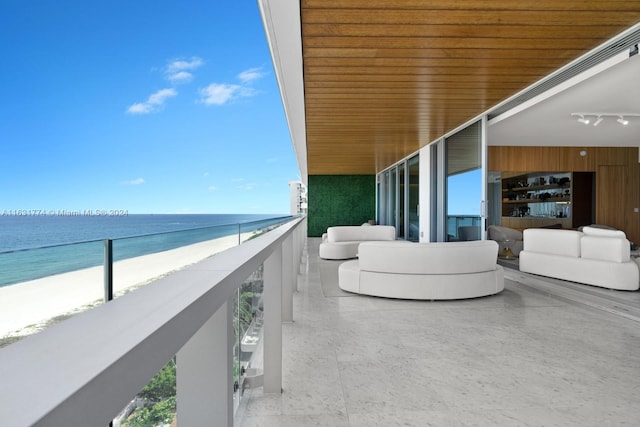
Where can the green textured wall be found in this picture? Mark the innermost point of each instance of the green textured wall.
(340, 200)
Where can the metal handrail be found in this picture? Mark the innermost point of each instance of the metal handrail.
(133, 236)
(58, 251)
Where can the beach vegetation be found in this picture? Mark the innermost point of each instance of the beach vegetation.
(8, 340)
(159, 397)
(162, 413)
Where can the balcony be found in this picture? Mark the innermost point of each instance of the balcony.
(542, 352)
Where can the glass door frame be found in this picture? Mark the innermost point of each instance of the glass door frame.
(393, 189)
(438, 190)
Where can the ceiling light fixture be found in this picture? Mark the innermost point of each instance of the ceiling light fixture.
(622, 118)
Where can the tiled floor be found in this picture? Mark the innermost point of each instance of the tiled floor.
(524, 357)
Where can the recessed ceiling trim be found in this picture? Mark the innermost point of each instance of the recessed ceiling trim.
(617, 47)
(560, 87)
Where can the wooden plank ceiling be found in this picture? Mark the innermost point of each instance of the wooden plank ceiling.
(383, 78)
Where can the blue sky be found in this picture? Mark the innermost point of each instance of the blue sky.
(464, 193)
(148, 106)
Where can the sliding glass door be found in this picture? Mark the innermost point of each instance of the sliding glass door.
(457, 175)
(413, 201)
(402, 188)
(398, 198)
(464, 184)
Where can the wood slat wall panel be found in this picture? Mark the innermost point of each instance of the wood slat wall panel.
(611, 209)
(568, 159)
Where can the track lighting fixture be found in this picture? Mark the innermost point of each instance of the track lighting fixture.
(622, 118)
(583, 120)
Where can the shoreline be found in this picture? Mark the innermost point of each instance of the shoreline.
(29, 306)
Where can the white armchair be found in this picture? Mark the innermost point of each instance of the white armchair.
(507, 238)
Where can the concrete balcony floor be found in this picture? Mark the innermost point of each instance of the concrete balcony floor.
(542, 352)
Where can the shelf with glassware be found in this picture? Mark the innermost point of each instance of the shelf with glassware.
(536, 199)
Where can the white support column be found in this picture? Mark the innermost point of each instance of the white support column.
(273, 322)
(204, 373)
(301, 233)
(303, 266)
(287, 279)
(300, 239)
(297, 257)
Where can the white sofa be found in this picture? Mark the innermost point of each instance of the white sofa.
(593, 256)
(424, 271)
(342, 242)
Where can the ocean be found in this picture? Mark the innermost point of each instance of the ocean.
(35, 246)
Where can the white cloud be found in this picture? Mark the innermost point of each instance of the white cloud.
(180, 77)
(153, 103)
(136, 181)
(159, 97)
(250, 75)
(176, 72)
(139, 108)
(180, 65)
(219, 94)
(205, 174)
(213, 188)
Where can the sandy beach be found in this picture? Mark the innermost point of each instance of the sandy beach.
(26, 306)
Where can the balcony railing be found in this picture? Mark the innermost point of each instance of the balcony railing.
(83, 371)
(463, 227)
(39, 286)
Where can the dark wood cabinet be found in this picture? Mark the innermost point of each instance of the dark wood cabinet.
(542, 199)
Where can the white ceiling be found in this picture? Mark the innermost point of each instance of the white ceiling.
(549, 122)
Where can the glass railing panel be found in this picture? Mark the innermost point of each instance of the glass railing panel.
(463, 228)
(140, 260)
(253, 229)
(40, 287)
(248, 327)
